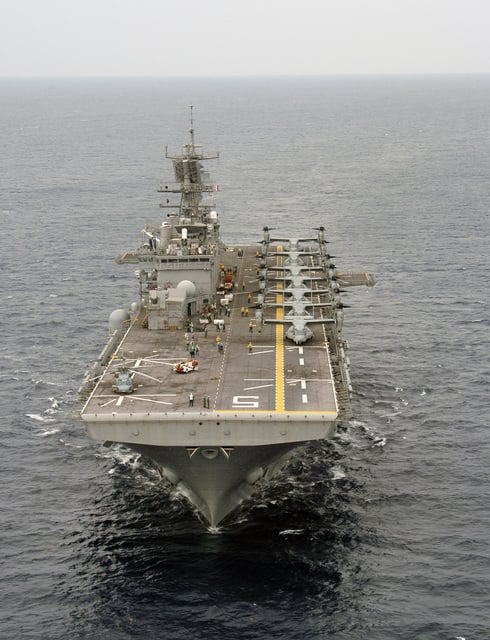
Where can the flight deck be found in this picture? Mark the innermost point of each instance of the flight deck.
(243, 365)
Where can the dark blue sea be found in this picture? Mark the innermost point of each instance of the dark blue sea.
(382, 533)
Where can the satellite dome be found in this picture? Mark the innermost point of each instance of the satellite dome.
(117, 317)
(188, 286)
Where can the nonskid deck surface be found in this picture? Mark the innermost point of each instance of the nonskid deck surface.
(257, 371)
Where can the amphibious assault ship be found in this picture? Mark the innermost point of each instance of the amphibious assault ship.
(232, 358)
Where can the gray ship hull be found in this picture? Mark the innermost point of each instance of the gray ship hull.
(215, 479)
(214, 459)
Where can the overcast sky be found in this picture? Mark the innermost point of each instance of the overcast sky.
(248, 37)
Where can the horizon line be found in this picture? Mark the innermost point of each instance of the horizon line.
(243, 76)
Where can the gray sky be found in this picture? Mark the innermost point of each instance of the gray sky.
(247, 37)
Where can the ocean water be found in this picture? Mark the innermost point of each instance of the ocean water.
(382, 533)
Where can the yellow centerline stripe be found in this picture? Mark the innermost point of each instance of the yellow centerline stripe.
(279, 348)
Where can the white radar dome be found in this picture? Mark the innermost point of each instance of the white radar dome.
(117, 317)
(188, 286)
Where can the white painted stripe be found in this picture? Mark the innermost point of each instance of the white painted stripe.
(139, 398)
(303, 384)
(144, 395)
(262, 386)
(304, 397)
(302, 361)
(119, 401)
(300, 351)
(106, 403)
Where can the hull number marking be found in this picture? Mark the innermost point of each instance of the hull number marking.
(245, 402)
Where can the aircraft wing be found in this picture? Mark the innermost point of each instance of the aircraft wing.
(355, 279)
(299, 320)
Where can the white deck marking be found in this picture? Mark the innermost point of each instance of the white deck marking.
(245, 402)
(302, 362)
(107, 403)
(155, 395)
(143, 395)
(260, 386)
(119, 401)
(136, 398)
(152, 363)
(145, 375)
(303, 384)
(304, 397)
(256, 352)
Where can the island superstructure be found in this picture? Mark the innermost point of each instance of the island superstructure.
(233, 357)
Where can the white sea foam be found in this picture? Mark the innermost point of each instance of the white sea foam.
(337, 473)
(214, 530)
(39, 381)
(291, 532)
(47, 432)
(39, 417)
(120, 457)
(68, 444)
(391, 415)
